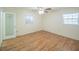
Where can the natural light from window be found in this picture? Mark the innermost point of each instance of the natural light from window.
(29, 19)
(72, 18)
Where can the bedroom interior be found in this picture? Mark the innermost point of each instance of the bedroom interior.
(39, 29)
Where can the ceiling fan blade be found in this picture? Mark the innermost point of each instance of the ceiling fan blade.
(48, 9)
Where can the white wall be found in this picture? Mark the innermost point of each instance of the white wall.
(53, 22)
(22, 27)
(0, 29)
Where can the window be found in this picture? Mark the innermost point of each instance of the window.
(29, 19)
(71, 18)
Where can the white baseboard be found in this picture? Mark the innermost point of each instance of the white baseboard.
(8, 37)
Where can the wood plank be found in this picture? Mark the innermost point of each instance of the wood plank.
(41, 41)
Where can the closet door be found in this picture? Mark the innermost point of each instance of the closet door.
(10, 25)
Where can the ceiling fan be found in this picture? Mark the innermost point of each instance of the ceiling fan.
(42, 10)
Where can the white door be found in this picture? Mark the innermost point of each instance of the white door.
(10, 25)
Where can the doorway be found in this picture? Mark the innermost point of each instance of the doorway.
(9, 25)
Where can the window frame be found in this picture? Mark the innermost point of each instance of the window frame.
(73, 21)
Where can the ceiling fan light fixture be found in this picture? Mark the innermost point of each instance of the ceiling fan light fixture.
(41, 12)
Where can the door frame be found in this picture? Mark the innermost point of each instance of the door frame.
(1, 28)
(14, 36)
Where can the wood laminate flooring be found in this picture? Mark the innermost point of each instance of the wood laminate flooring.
(40, 41)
